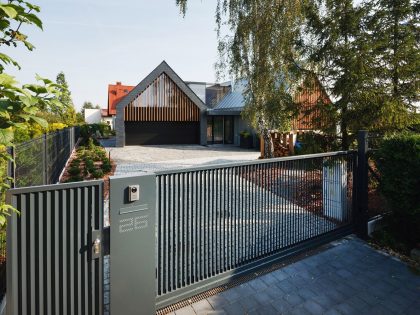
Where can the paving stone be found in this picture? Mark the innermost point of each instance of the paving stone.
(380, 310)
(262, 297)
(332, 311)
(211, 313)
(287, 286)
(231, 295)
(249, 303)
(233, 309)
(269, 279)
(280, 275)
(313, 307)
(281, 306)
(357, 303)
(258, 285)
(217, 301)
(306, 293)
(293, 299)
(202, 305)
(245, 290)
(267, 310)
(299, 311)
(347, 309)
(188, 310)
(325, 301)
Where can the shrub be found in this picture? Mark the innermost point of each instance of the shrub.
(90, 165)
(106, 165)
(398, 161)
(97, 174)
(311, 142)
(75, 178)
(74, 170)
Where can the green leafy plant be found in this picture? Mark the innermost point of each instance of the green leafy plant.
(106, 165)
(97, 174)
(245, 133)
(74, 170)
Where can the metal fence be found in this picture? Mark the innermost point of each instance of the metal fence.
(40, 161)
(2, 263)
(52, 267)
(217, 221)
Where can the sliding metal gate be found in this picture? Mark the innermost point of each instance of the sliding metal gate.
(54, 257)
(218, 222)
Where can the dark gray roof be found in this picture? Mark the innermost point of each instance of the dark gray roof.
(162, 68)
(233, 102)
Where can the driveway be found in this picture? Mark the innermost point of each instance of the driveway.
(143, 159)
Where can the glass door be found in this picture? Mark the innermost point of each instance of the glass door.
(228, 130)
(217, 129)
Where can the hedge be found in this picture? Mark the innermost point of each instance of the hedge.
(398, 162)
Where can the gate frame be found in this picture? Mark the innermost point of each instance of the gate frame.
(12, 255)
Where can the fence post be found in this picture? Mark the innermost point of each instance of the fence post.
(44, 159)
(362, 184)
(11, 166)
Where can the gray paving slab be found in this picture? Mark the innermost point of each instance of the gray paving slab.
(344, 290)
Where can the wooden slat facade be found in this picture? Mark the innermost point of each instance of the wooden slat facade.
(162, 100)
(309, 98)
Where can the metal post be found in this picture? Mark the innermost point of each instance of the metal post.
(44, 159)
(132, 245)
(362, 184)
(11, 166)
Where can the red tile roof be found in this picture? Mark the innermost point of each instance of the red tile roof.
(116, 93)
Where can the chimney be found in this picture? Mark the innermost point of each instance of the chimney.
(118, 83)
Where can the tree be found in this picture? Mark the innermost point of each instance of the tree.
(68, 113)
(392, 30)
(19, 105)
(337, 56)
(259, 49)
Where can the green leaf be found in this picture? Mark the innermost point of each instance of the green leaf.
(2, 219)
(6, 136)
(40, 121)
(7, 60)
(10, 12)
(34, 19)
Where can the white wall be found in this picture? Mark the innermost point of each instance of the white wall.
(93, 116)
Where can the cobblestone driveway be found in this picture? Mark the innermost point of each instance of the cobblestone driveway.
(141, 159)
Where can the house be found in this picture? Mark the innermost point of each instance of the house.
(164, 109)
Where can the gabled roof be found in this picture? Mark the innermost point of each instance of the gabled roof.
(162, 68)
(116, 92)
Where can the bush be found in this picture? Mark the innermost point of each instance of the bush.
(74, 170)
(311, 142)
(398, 161)
(75, 178)
(90, 165)
(97, 174)
(106, 165)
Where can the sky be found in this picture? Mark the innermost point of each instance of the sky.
(99, 42)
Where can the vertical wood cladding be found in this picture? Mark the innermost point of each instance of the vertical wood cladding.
(310, 98)
(162, 100)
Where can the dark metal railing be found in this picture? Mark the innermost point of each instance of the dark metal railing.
(2, 262)
(40, 161)
(218, 221)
